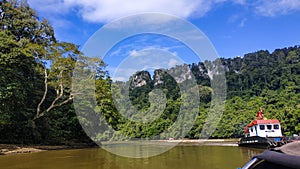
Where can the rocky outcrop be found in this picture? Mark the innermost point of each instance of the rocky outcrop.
(140, 79)
(178, 74)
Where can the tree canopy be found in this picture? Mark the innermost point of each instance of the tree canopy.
(36, 89)
(35, 78)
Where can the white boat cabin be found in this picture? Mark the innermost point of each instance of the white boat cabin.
(264, 128)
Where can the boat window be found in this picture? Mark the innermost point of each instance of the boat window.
(251, 129)
(269, 127)
(262, 127)
(276, 126)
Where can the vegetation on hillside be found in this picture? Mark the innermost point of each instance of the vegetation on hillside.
(259, 79)
(36, 97)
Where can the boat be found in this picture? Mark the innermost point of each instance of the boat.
(263, 133)
(284, 157)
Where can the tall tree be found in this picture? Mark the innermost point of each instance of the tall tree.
(61, 60)
(35, 71)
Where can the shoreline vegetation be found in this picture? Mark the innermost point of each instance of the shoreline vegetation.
(7, 149)
(37, 91)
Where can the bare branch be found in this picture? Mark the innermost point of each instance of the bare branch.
(56, 105)
(38, 110)
(59, 92)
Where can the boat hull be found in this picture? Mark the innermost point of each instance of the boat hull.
(261, 142)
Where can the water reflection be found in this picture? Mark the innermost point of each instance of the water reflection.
(247, 153)
(138, 149)
(190, 157)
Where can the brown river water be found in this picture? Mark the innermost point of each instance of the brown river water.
(179, 157)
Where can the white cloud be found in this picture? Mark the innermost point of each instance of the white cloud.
(277, 7)
(103, 11)
(243, 22)
(240, 2)
(135, 53)
(173, 62)
(50, 6)
(124, 76)
(54, 11)
(145, 59)
(148, 50)
(108, 10)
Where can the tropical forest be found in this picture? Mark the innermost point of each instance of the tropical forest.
(37, 97)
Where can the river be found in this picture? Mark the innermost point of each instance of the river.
(179, 157)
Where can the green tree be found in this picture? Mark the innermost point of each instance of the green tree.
(35, 77)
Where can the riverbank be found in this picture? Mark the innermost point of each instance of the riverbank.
(6, 149)
(211, 142)
(184, 142)
(200, 142)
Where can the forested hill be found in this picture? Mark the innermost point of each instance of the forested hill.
(36, 97)
(269, 80)
(246, 76)
(257, 73)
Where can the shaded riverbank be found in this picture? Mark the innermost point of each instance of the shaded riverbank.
(6, 149)
(184, 142)
(210, 142)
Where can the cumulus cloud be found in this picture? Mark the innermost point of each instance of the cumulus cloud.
(108, 10)
(103, 11)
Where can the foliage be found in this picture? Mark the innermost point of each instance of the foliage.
(35, 73)
(259, 79)
(36, 94)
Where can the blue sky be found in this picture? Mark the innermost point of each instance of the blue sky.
(234, 27)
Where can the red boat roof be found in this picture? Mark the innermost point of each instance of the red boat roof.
(269, 121)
